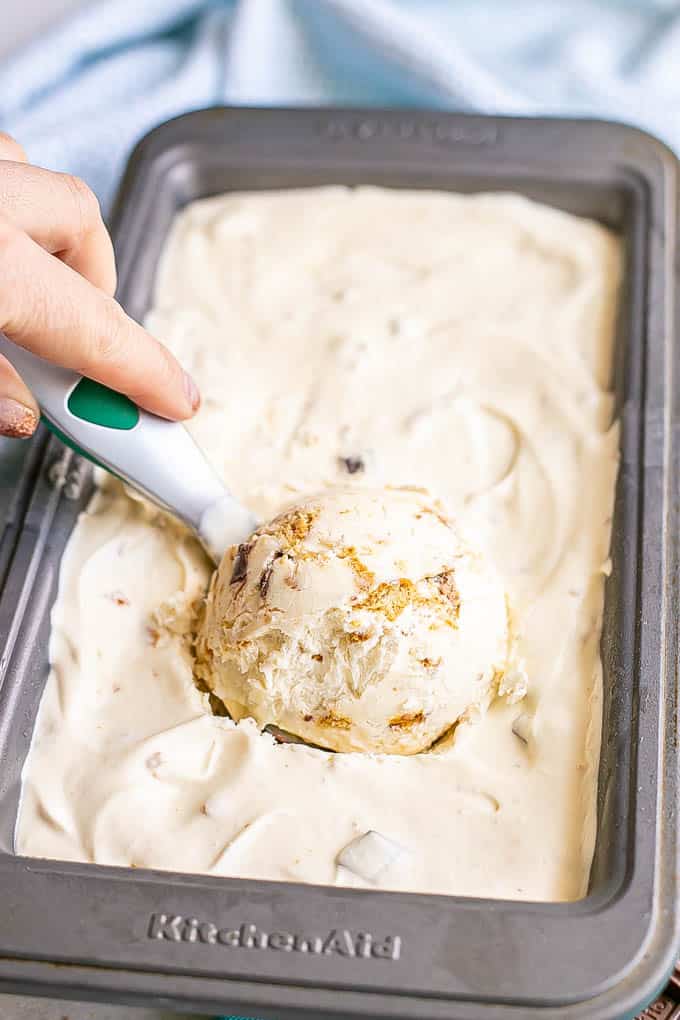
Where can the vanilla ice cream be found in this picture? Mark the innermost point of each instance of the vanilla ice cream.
(366, 338)
(359, 620)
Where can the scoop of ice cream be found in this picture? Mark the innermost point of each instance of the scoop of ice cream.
(359, 620)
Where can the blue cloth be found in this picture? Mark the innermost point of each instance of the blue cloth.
(79, 98)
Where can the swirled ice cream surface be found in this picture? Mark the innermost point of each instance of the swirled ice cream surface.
(372, 337)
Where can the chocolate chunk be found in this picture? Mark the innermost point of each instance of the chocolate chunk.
(521, 727)
(662, 1008)
(217, 706)
(265, 578)
(673, 986)
(353, 465)
(283, 737)
(266, 575)
(240, 564)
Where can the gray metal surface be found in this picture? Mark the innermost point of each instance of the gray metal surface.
(20, 1007)
(92, 931)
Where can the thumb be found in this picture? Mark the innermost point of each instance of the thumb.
(19, 414)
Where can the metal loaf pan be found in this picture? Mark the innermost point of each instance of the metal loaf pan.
(128, 936)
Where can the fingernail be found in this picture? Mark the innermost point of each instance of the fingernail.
(191, 391)
(16, 420)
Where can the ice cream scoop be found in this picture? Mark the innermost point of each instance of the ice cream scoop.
(358, 620)
(155, 456)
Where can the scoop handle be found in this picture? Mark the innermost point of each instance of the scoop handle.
(155, 456)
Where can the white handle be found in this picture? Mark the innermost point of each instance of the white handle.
(155, 456)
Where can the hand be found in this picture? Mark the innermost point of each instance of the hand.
(57, 280)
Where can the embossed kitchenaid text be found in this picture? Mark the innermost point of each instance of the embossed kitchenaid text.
(435, 131)
(337, 942)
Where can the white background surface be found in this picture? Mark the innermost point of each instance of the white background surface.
(20, 21)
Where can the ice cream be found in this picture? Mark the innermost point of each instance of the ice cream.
(359, 620)
(371, 338)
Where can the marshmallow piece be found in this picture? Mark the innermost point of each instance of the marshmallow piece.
(370, 855)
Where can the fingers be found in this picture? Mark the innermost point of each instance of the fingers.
(10, 149)
(57, 314)
(19, 414)
(61, 214)
(62, 309)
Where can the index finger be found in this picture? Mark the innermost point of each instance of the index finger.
(51, 310)
(10, 149)
(62, 214)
